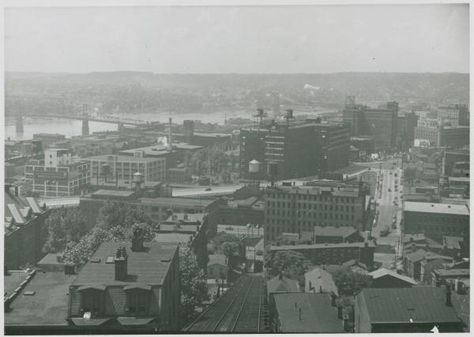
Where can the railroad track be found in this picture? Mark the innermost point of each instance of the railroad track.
(241, 309)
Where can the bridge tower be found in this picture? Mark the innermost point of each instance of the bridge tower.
(19, 122)
(85, 120)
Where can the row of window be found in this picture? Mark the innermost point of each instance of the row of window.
(320, 206)
(312, 197)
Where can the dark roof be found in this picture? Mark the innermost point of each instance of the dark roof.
(147, 267)
(48, 305)
(282, 285)
(13, 280)
(317, 314)
(399, 305)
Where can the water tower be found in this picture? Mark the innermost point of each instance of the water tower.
(254, 171)
(137, 181)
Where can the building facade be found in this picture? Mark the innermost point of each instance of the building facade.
(297, 209)
(435, 220)
(120, 168)
(379, 122)
(58, 175)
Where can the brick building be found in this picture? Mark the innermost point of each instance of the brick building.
(381, 122)
(333, 253)
(435, 220)
(297, 209)
(134, 287)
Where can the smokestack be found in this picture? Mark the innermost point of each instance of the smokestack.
(138, 240)
(170, 146)
(121, 270)
(448, 296)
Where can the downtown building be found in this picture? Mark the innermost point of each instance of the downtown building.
(298, 209)
(294, 150)
(381, 122)
(58, 174)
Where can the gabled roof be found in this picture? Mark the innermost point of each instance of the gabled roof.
(399, 305)
(382, 272)
(321, 281)
(282, 284)
(354, 263)
(147, 267)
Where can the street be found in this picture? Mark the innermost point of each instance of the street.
(386, 230)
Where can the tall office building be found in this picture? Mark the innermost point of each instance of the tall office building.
(379, 122)
(295, 149)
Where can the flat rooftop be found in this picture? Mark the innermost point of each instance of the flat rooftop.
(113, 193)
(176, 202)
(121, 158)
(158, 149)
(48, 305)
(172, 237)
(323, 246)
(317, 314)
(435, 208)
(148, 267)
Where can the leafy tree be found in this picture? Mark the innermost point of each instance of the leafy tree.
(64, 225)
(292, 264)
(232, 251)
(193, 285)
(120, 214)
(349, 282)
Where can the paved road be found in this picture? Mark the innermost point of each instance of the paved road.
(388, 191)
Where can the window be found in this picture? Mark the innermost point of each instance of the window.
(91, 301)
(138, 302)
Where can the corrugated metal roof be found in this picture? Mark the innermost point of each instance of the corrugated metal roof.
(396, 305)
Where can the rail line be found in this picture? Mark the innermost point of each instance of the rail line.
(241, 309)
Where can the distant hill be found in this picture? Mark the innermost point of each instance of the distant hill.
(407, 88)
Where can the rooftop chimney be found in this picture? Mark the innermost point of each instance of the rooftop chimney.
(448, 296)
(137, 240)
(120, 260)
(299, 314)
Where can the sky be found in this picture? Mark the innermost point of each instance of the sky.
(252, 39)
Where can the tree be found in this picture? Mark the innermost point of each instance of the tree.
(232, 251)
(121, 214)
(64, 225)
(349, 283)
(292, 264)
(193, 285)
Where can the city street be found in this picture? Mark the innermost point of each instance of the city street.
(387, 230)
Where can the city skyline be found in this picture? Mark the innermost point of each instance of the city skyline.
(239, 39)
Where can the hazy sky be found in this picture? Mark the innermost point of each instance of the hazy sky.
(296, 39)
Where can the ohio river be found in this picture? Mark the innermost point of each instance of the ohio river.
(70, 127)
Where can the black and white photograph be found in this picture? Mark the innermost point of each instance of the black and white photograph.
(206, 168)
